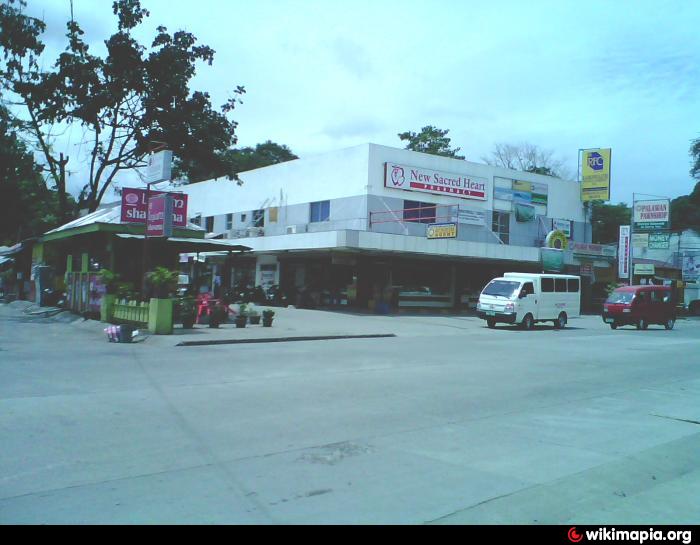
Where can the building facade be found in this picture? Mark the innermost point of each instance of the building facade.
(357, 227)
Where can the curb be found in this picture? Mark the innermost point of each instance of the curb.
(285, 339)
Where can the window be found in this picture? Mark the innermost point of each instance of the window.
(528, 288)
(573, 285)
(419, 212)
(243, 217)
(229, 222)
(258, 218)
(547, 285)
(209, 224)
(320, 211)
(560, 285)
(501, 226)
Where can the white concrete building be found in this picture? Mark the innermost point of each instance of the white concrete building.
(352, 224)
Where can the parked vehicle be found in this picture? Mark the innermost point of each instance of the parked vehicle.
(524, 299)
(640, 306)
(691, 298)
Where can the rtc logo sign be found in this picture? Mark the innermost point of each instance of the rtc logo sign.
(595, 161)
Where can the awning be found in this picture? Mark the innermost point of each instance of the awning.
(193, 245)
(4, 260)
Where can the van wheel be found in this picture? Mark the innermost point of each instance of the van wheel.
(670, 323)
(613, 325)
(560, 322)
(528, 322)
(491, 323)
(642, 324)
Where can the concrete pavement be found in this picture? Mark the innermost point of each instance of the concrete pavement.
(449, 422)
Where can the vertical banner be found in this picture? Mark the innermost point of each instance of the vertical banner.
(595, 174)
(623, 252)
(159, 222)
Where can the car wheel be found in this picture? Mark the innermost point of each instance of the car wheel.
(670, 323)
(642, 324)
(528, 322)
(560, 322)
(613, 326)
(491, 323)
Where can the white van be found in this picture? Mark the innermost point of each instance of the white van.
(523, 298)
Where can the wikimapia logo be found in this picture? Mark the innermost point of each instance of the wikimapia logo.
(637, 536)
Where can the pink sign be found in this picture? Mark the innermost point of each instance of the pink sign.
(159, 208)
(134, 206)
(425, 180)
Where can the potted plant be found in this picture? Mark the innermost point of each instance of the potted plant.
(110, 280)
(217, 316)
(163, 284)
(188, 310)
(242, 316)
(253, 315)
(267, 317)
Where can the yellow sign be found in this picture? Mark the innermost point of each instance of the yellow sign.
(441, 230)
(595, 174)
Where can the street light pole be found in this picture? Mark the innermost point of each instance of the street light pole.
(144, 259)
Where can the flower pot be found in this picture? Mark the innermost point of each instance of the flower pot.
(188, 322)
(254, 320)
(241, 321)
(267, 322)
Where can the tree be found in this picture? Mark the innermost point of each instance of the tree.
(244, 159)
(527, 158)
(27, 206)
(125, 101)
(430, 140)
(695, 154)
(606, 220)
(685, 211)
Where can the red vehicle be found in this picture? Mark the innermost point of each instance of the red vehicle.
(640, 306)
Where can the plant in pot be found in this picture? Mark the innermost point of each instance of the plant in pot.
(253, 315)
(267, 317)
(217, 316)
(163, 282)
(242, 316)
(187, 310)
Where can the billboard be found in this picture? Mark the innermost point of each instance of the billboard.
(652, 215)
(623, 252)
(425, 180)
(159, 167)
(659, 241)
(552, 259)
(595, 174)
(134, 206)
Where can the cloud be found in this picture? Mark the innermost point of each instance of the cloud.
(354, 127)
(352, 57)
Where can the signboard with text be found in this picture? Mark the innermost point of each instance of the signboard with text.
(595, 174)
(562, 225)
(659, 241)
(441, 230)
(426, 180)
(160, 216)
(159, 166)
(652, 215)
(134, 206)
(623, 252)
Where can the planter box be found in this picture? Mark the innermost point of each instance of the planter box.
(107, 307)
(160, 316)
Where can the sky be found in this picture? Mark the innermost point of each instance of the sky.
(329, 74)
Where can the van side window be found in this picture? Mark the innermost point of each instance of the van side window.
(573, 285)
(560, 284)
(547, 285)
(528, 288)
(641, 297)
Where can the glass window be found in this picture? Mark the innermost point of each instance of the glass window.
(501, 226)
(320, 211)
(620, 297)
(258, 218)
(560, 284)
(547, 285)
(502, 288)
(210, 224)
(419, 212)
(573, 285)
(243, 217)
(528, 288)
(197, 220)
(229, 222)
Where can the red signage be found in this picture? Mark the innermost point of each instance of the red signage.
(160, 216)
(134, 206)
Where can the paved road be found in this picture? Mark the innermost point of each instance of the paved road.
(449, 422)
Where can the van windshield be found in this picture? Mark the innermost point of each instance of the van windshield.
(620, 297)
(502, 288)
